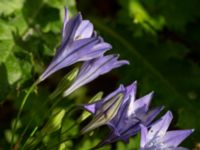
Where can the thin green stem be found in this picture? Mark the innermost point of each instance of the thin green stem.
(23, 35)
(31, 135)
(21, 109)
(41, 136)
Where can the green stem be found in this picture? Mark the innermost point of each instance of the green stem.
(29, 123)
(31, 135)
(21, 109)
(41, 136)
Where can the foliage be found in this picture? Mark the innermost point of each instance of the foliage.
(160, 38)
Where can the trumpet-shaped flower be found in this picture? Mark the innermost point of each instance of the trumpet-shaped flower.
(90, 70)
(130, 115)
(158, 138)
(79, 43)
(105, 110)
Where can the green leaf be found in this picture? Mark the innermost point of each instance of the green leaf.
(5, 30)
(13, 69)
(5, 49)
(8, 7)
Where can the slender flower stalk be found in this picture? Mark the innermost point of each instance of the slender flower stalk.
(158, 138)
(79, 43)
(91, 69)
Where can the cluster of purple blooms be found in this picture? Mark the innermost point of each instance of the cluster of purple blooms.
(120, 110)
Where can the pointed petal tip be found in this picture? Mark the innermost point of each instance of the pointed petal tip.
(121, 87)
(169, 114)
(152, 93)
(66, 9)
(105, 46)
(90, 108)
(40, 79)
(65, 93)
(189, 131)
(162, 108)
(125, 62)
(192, 130)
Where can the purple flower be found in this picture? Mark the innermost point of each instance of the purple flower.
(130, 115)
(158, 138)
(105, 110)
(79, 43)
(91, 69)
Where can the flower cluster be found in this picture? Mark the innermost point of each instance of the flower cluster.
(158, 138)
(121, 111)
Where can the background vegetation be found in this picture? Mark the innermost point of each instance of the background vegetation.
(159, 37)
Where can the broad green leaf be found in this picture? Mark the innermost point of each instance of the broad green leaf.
(8, 7)
(13, 69)
(5, 30)
(5, 49)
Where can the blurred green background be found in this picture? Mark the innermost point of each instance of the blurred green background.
(161, 39)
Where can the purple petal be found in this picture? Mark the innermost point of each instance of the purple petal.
(174, 138)
(143, 139)
(97, 105)
(161, 126)
(79, 43)
(106, 113)
(94, 68)
(131, 91)
(66, 18)
(151, 115)
(90, 108)
(143, 102)
(70, 27)
(85, 30)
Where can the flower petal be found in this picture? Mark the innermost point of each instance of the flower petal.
(79, 43)
(66, 19)
(174, 138)
(151, 115)
(161, 126)
(70, 27)
(105, 114)
(143, 139)
(90, 70)
(143, 102)
(85, 30)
